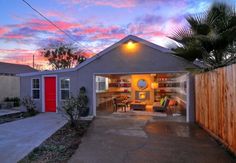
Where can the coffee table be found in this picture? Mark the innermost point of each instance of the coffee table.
(138, 106)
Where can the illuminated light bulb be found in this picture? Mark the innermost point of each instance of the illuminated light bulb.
(130, 45)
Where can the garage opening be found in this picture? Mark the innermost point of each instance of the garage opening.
(142, 94)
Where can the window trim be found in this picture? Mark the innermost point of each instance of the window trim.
(64, 88)
(106, 84)
(32, 89)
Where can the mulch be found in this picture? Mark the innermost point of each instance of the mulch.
(14, 117)
(60, 146)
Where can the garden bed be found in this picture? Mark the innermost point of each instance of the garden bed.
(14, 117)
(60, 146)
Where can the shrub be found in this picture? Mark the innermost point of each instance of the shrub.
(75, 106)
(69, 109)
(15, 100)
(7, 99)
(28, 102)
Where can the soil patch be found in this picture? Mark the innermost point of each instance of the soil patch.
(14, 117)
(60, 146)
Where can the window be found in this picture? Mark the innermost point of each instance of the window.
(101, 84)
(65, 88)
(35, 89)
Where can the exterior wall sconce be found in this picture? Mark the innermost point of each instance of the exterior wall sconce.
(130, 45)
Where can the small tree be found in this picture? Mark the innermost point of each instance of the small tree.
(70, 110)
(28, 102)
(75, 106)
(62, 56)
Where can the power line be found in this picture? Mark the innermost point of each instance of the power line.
(67, 34)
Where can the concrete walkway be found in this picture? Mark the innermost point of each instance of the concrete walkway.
(20, 137)
(138, 139)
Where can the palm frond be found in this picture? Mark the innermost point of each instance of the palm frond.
(181, 35)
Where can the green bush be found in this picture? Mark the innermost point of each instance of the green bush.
(75, 106)
(15, 100)
(28, 102)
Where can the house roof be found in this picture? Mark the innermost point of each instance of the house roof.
(105, 51)
(13, 69)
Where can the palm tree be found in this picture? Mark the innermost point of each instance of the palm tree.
(210, 37)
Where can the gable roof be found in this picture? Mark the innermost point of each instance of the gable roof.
(13, 69)
(105, 51)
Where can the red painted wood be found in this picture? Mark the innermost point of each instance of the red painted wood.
(50, 94)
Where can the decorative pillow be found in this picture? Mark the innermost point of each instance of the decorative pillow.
(172, 102)
(162, 102)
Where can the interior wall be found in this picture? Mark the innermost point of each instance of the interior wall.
(134, 87)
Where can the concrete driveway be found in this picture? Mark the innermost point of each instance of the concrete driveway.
(147, 139)
(18, 138)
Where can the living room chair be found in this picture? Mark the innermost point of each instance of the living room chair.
(162, 108)
(119, 104)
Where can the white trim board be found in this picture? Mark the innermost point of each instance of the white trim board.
(31, 88)
(61, 78)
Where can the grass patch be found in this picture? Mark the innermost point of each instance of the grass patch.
(60, 146)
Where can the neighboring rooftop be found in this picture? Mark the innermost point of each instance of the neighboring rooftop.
(13, 69)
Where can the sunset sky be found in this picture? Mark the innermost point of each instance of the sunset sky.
(96, 24)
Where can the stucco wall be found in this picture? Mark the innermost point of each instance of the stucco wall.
(9, 87)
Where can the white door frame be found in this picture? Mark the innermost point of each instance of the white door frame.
(43, 91)
(94, 96)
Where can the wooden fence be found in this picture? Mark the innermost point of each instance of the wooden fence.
(216, 104)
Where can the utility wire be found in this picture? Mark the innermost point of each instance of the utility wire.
(67, 34)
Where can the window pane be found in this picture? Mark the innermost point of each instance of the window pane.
(35, 83)
(100, 79)
(65, 94)
(65, 83)
(36, 94)
(102, 86)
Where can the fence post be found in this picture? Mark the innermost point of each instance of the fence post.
(190, 98)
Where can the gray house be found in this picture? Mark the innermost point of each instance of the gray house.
(134, 69)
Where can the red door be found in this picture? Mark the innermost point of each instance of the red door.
(50, 94)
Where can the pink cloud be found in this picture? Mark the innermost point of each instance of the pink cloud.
(25, 56)
(102, 36)
(116, 3)
(3, 30)
(42, 25)
(113, 3)
(121, 3)
(14, 36)
(21, 56)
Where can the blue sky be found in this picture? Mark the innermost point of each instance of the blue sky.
(95, 24)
